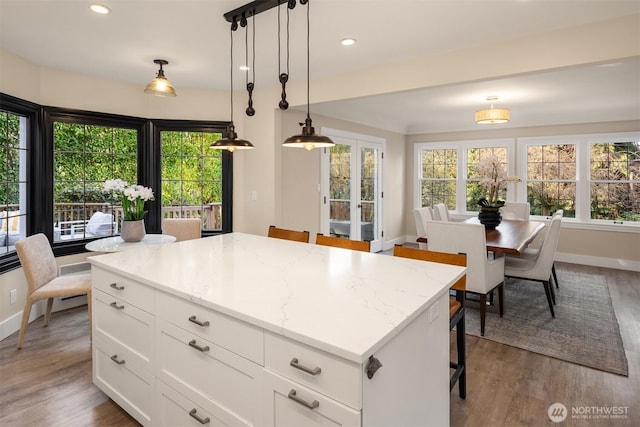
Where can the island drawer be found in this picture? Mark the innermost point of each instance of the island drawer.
(176, 409)
(287, 403)
(123, 377)
(124, 288)
(333, 376)
(234, 335)
(123, 322)
(189, 363)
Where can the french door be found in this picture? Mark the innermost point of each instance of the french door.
(352, 187)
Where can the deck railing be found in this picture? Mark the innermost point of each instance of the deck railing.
(68, 213)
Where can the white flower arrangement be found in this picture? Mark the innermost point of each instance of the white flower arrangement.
(493, 177)
(132, 197)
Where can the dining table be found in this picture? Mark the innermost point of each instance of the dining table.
(510, 236)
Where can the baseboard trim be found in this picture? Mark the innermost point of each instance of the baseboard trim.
(12, 324)
(615, 263)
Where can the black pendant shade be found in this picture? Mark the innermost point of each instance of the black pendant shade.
(308, 138)
(231, 142)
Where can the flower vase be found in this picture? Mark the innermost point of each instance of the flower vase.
(132, 231)
(490, 217)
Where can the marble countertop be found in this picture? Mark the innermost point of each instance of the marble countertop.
(348, 303)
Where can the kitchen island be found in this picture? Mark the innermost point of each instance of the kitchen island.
(240, 329)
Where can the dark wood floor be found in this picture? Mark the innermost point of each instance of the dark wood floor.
(48, 382)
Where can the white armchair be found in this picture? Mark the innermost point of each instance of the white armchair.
(539, 266)
(99, 225)
(421, 216)
(483, 275)
(442, 212)
(515, 210)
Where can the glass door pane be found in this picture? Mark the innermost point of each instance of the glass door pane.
(340, 191)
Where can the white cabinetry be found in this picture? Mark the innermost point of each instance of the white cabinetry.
(123, 342)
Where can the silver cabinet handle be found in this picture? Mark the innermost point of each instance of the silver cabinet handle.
(115, 359)
(116, 306)
(193, 344)
(116, 287)
(193, 319)
(312, 405)
(194, 414)
(315, 371)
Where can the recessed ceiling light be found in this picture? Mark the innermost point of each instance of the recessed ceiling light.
(101, 9)
(244, 68)
(348, 42)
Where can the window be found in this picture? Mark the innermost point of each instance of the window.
(13, 179)
(84, 157)
(440, 164)
(551, 179)
(615, 180)
(438, 174)
(474, 190)
(192, 184)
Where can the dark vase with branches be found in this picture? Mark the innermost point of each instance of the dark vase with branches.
(493, 177)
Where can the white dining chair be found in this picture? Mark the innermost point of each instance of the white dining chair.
(515, 210)
(539, 267)
(532, 253)
(483, 275)
(421, 216)
(443, 212)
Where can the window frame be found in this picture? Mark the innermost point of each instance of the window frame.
(33, 113)
(40, 164)
(461, 148)
(583, 177)
(160, 126)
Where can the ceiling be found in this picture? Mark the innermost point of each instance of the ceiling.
(193, 36)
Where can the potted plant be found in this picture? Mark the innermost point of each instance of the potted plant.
(493, 177)
(132, 198)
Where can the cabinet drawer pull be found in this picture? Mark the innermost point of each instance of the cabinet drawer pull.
(116, 306)
(312, 405)
(193, 319)
(115, 359)
(116, 287)
(194, 414)
(315, 371)
(193, 344)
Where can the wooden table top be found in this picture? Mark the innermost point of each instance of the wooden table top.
(511, 236)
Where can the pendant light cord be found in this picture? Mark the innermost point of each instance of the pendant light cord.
(308, 48)
(250, 111)
(283, 78)
(231, 72)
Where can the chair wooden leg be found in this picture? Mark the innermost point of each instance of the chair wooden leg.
(553, 292)
(25, 320)
(555, 276)
(483, 312)
(47, 314)
(501, 298)
(547, 290)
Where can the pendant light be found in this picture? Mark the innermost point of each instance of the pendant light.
(308, 139)
(492, 116)
(160, 86)
(230, 139)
